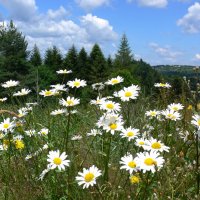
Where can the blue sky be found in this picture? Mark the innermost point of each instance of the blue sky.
(158, 31)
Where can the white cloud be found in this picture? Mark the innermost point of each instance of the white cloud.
(197, 56)
(54, 28)
(90, 4)
(165, 52)
(20, 9)
(98, 29)
(191, 21)
(151, 3)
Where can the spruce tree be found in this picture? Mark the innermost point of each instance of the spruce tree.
(98, 70)
(53, 58)
(35, 58)
(82, 64)
(124, 57)
(13, 50)
(70, 61)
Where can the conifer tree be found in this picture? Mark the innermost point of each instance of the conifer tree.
(97, 71)
(82, 64)
(13, 50)
(124, 57)
(53, 58)
(35, 58)
(70, 61)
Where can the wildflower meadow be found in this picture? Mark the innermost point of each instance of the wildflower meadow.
(119, 144)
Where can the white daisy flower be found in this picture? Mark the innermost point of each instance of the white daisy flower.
(114, 81)
(59, 87)
(155, 145)
(140, 142)
(64, 71)
(98, 101)
(196, 121)
(110, 106)
(76, 83)
(3, 99)
(152, 113)
(98, 86)
(9, 84)
(44, 131)
(76, 137)
(130, 133)
(175, 106)
(48, 93)
(57, 160)
(126, 94)
(88, 176)
(162, 85)
(149, 161)
(94, 132)
(129, 163)
(30, 133)
(58, 112)
(171, 114)
(7, 125)
(111, 123)
(22, 92)
(71, 101)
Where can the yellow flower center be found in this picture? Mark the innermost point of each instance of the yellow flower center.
(70, 102)
(198, 122)
(153, 113)
(128, 94)
(115, 81)
(175, 108)
(77, 84)
(141, 143)
(156, 145)
(134, 179)
(19, 144)
(57, 161)
(6, 125)
(110, 106)
(132, 164)
(150, 161)
(189, 107)
(113, 126)
(89, 177)
(48, 93)
(130, 134)
(162, 85)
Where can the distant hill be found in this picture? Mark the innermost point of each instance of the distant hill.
(176, 70)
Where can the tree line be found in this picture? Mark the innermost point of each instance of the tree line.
(29, 67)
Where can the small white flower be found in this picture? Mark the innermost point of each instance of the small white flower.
(98, 101)
(88, 176)
(126, 94)
(175, 106)
(196, 121)
(129, 163)
(57, 160)
(22, 92)
(110, 106)
(130, 133)
(59, 112)
(59, 87)
(7, 125)
(71, 101)
(76, 137)
(44, 131)
(171, 114)
(65, 71)
(115, 81)
(10, 83)
(94, 132)
(149, 161)
(48, 93)
(162, 85)
(155, 145)
(30, 133)
(76, 83)
(152, 113)
(3, 99)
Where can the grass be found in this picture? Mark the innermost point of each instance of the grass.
(178, 178)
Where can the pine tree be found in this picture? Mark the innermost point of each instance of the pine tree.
(97, 71)
(124, 57)
(70, 61)
(82, 64)
(53, 58)
(35, 58)
(13, 50)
